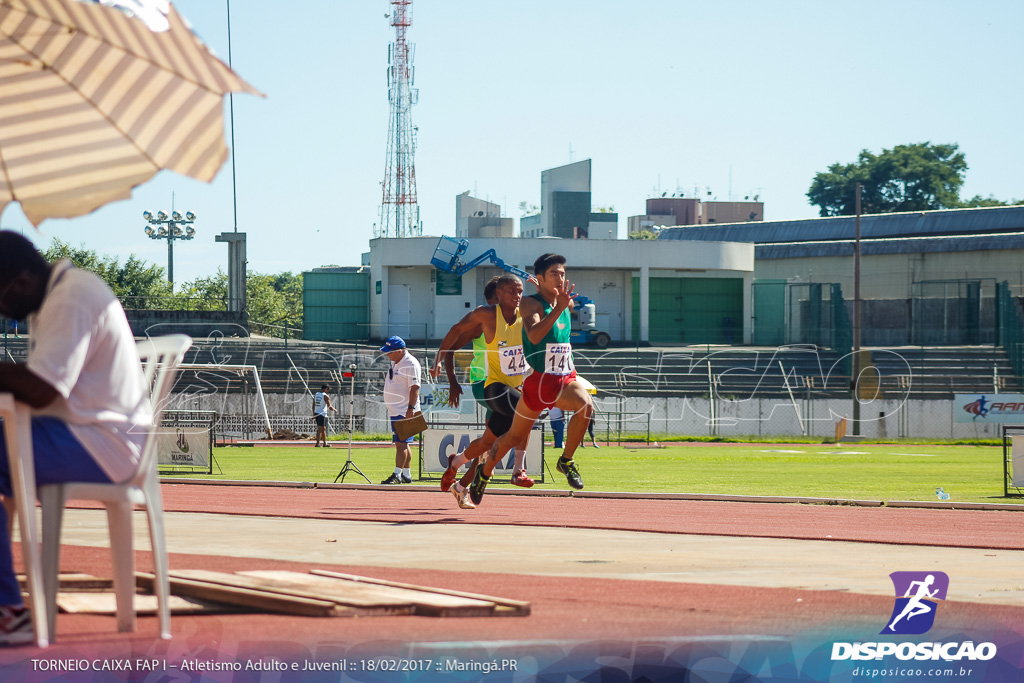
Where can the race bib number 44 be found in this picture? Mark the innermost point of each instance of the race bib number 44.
(513, 362)
(558, 359)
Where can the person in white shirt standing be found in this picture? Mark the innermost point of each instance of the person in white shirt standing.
(321, 404)
(402, 397)
(83, 381)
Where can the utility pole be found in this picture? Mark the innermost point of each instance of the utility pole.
(855, 365)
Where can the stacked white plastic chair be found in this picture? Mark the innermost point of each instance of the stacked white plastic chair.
(160, 358)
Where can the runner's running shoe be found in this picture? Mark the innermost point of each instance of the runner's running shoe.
(520, 478)
(393, 479)
(462, 498)
(568, 468)
(15, 626)
(476, 489)
(448, 478)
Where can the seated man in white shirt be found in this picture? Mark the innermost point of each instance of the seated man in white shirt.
(83, 380)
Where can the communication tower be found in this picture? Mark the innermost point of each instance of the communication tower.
(399, 212)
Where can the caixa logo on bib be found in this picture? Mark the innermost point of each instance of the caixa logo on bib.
(917, 599)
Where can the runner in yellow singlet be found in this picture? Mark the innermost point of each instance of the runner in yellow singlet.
(501, 327)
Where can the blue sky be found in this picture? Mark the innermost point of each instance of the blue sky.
(663, 95)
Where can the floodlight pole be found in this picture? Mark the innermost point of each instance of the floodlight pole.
(855, 365)
(161, 226)
(349, 465)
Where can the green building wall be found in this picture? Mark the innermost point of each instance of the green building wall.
(692, 310)
(336, 305)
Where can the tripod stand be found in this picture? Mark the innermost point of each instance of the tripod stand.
(349, 465)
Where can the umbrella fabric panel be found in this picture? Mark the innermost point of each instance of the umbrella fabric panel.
(93, 103)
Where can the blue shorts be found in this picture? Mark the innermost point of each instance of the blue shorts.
(59, 458)
(394, 435)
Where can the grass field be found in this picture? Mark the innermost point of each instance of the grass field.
(872, 472)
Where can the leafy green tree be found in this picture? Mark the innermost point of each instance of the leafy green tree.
(643, 235)
(978, 201)
(270, 299)
(528, 209)
(145, 283)
(916, 177)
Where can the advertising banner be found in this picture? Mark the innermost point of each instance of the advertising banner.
(184, 447)
(438, 444)
(994, 408)
(434, 400)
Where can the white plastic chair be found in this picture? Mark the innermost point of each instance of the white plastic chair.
(160, 358)
(18, 435)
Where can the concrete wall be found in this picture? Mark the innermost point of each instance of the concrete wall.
(731, 212)
(193, 323)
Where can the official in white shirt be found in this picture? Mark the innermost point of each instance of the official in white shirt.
(402, 397)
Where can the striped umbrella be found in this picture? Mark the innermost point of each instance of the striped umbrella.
(93, 102)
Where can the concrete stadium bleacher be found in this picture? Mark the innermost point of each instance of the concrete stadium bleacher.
(922, 372)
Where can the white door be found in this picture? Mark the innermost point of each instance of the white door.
(609, 301)
(398, 310)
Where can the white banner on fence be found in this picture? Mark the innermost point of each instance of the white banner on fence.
(1001, 408)
(1017, 460)
(183, 447)
(438, 444)
(434, 399)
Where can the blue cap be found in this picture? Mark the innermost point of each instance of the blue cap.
(395, 343)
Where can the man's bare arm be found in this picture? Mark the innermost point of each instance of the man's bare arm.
(537, 326)
(26, 386)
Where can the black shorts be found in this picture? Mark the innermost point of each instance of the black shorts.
(502, 400)
(321, 420)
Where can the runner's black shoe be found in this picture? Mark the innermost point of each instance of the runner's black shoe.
(393, 479)
(476, 489)
(568, 468)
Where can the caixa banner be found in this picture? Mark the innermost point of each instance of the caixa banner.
(438, 444)
(994, 408)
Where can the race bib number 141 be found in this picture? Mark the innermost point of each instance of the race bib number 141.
(558, 359)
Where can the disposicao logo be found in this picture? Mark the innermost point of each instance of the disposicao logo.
(917, 596)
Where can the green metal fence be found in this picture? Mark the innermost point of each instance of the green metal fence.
(1010, 327)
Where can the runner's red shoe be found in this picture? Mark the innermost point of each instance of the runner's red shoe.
(520, 478)
(448, 478)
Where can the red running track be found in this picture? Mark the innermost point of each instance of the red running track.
(562, 608)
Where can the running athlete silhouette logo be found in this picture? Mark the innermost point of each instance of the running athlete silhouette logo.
(914, 612)
(978, 408)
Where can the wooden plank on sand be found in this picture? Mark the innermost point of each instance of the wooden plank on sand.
(423, 601)
(504, 606)
(106, 603)
(363, 603)
(256, 600)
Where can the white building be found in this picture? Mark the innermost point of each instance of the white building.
(697, 291)
(565, 207)
(478, 218)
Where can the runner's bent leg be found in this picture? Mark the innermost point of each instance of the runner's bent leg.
(521, 425)
(575, 398)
